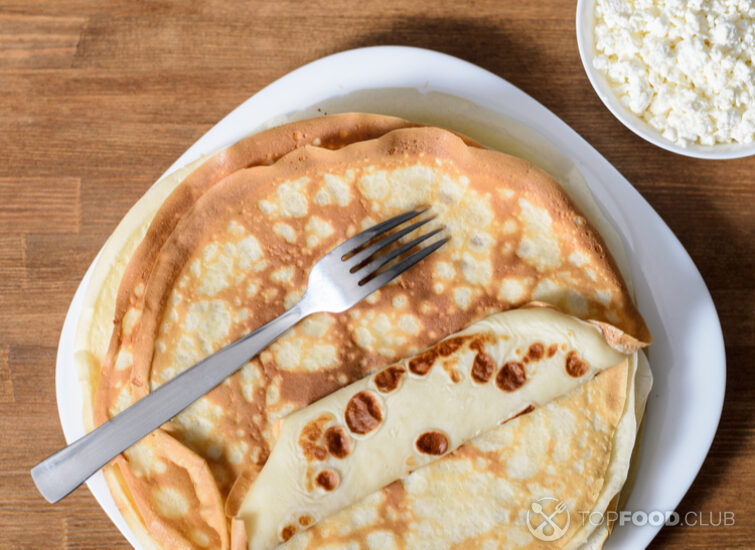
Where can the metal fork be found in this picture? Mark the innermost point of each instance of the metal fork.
(343, 277)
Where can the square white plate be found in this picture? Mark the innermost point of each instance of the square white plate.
(687, 355)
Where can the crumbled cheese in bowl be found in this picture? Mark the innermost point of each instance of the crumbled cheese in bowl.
(684, 67)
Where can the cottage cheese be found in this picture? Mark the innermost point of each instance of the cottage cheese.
(685, 67)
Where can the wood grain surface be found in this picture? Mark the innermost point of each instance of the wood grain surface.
(98, 98)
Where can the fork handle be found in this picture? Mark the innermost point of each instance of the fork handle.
(62, 472)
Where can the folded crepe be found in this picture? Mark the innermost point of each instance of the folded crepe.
(377, 430)
(219, 248)
(575, 449)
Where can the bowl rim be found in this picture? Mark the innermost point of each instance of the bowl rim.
(584, 26)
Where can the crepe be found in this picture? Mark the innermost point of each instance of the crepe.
(377, 430)
(229, 247)
(114, 294)
(576, 448)
(114, 291)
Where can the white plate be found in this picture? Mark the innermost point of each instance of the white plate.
(585, 24)
(687, 355)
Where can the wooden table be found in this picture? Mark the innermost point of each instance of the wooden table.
(98, 98)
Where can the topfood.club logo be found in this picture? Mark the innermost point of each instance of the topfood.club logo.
(548, 519)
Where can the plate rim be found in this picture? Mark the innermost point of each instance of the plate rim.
(414, 63)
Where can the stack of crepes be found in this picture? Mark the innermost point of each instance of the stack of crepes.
(226, 244)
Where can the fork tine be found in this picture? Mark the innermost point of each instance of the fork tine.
(394, 271)
(365, 254)
(371, 232)
(379, 262)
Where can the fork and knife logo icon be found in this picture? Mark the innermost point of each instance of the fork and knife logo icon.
(546, 526)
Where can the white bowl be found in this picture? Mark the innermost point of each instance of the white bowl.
(585, 25)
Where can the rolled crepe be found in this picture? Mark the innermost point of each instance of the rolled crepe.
(364, 436)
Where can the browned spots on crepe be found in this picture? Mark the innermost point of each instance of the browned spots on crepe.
(327, 479)
(534, 353)
(309, 438)
(306, 520)
(337, 442)
(574, 365)
(449, 346)
(477, 343)
(483, 367)
(388, 379)
(432, 443)
(287, 532)
(511, 377)
(363, 413)
(421, 364)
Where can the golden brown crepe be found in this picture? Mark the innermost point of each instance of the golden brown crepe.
(229, 247)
